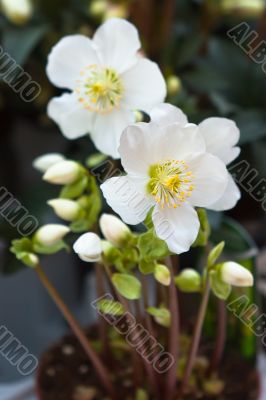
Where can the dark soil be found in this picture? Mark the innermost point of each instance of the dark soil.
(66, 374)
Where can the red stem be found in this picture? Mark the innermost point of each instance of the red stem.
(78, 331)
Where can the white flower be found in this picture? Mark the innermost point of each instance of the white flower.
(18, 11)
(62, 173)
(236, 275)
(220, 135)
(45, 161)
(168, 170)
(108, 80)
(66, 209)
(114, 230)
(88, 247)
(50, 234)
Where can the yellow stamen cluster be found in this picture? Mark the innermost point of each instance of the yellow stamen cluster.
(171, 183)
(99, 89)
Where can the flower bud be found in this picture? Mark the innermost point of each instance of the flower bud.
(68, 210)
(62, 173)
(188, 281)
(162, 274)
(50, 234)
(88, 247)
(114, 230)
(235, 274)
(98, 8)
(45, 161)
(173, 85)
(17, 11)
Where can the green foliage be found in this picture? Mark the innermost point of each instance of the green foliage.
(147, 267)
(94, 159)
(110, 307)
(215, 254)
(24, 252)
(188, 281)
(75, 189)
(127, 285)
(220, 289)
(161, 315)
(48, 250)
(204, 231)
(151, 247)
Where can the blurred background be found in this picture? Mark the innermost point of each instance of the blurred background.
(207, 74)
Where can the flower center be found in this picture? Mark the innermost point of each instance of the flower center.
(170, 183)
(99, 89)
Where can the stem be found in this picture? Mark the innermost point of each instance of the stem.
(173, 335)
(145, 291)
(103, 334)
(78, 331)
(196, 336)
(136, 357)
(220, 337)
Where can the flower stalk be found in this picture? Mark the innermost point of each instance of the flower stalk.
(79, 333)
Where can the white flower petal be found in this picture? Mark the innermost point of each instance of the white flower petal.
(136, 148)
(127, 198)
(67, 58)
(179, 227)
(144, 85)
(107, 130)
(145, 144)
(210, 179)
(221, 135)
(73, 120)
(167, 114)
(229, 198)
(117, 41)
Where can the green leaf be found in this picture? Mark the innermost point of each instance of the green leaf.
(161, 315)
(204, 231)
(74, 190)
(39, 248)
(151, 247)
(220, 289)
(215, 254)
(94, 159)
(127, 285)
(29, 259)
(19, 42)
(147, 267)
(110, 307)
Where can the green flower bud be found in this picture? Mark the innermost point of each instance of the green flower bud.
(173, 85)
(162, 274)
(188, 281)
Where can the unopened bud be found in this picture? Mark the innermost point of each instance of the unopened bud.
(63, 173)
(188, 281)
(46, 161)
(88, 247)
(98, 8)
(235, 274)
(68, 210)
(50, 234)
(162, 274)
(17, 11)
(173, 85)
(114, 230)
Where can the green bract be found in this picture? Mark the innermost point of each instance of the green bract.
(127, 285)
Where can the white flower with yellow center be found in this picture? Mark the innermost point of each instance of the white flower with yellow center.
(169, 170)
(221, 136)
(108, 80)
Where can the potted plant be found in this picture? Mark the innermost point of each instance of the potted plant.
(146, 344)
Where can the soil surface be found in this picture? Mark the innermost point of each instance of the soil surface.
(66, 374)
